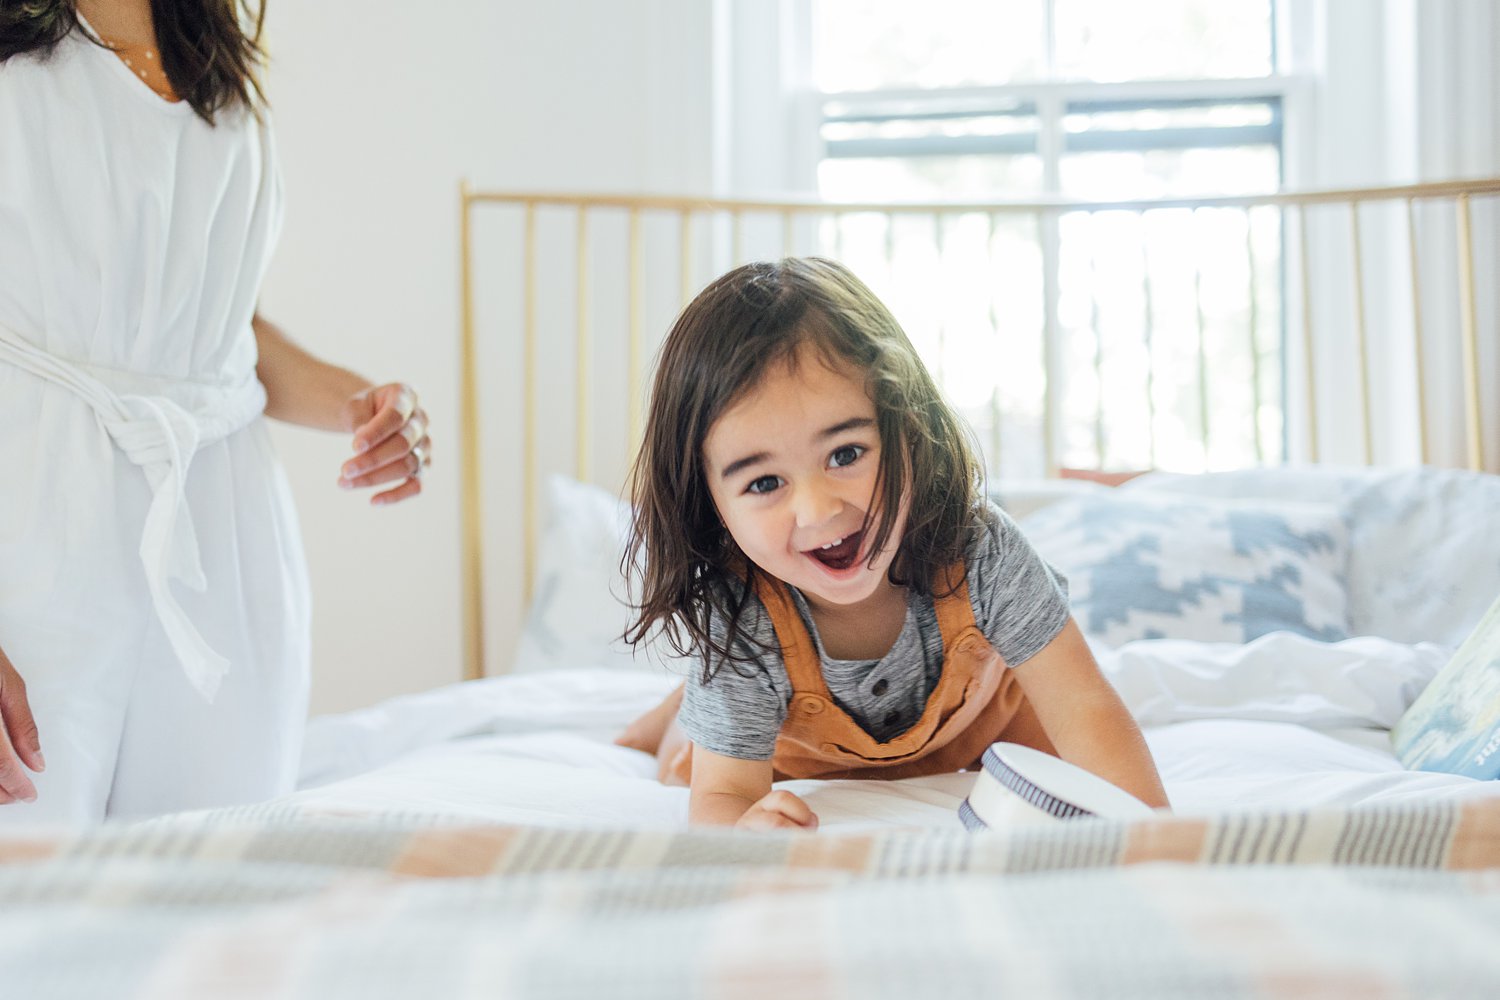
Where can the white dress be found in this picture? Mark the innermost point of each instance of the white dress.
(153, 589)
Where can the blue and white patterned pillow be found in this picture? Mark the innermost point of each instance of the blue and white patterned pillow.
(1156, 566)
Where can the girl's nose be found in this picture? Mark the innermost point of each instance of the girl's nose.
(815, 506)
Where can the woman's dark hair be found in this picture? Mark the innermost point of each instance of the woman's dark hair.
(207, 52)
(680, 556)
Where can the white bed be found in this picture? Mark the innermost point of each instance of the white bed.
(489, 839)
(537, 749)
(542, 754)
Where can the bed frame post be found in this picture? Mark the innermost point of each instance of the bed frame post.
(472, 556)
(1470, 328)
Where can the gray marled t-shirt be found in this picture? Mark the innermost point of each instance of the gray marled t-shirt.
(1020, 604)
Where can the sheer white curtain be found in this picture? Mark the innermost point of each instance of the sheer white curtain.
(1398, 91)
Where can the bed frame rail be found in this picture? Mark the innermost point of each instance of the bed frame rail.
(1138, 344)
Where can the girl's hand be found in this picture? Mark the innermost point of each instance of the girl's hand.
(779, 811)
(18, 737)
(390, 441)
(728, 791)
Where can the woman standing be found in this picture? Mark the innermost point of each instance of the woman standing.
(153, 595)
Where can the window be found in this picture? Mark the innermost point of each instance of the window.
(956, 100)
(1083, 98)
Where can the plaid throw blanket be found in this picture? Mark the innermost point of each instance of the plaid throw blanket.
(246, 903)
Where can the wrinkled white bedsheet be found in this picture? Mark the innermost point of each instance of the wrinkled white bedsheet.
(1283, 722)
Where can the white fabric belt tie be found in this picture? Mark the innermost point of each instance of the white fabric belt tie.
(159, 423)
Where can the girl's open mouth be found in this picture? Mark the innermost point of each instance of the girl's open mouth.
(840, 555)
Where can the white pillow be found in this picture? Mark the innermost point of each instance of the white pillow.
(579, 605)
(1158, 566)
(1424, 543)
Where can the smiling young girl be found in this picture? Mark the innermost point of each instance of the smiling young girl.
(810, 527)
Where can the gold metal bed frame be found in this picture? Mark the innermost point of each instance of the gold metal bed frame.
(795, 216)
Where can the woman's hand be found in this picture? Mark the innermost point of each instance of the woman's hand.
(18, 737)
(779, 811)
(390, 441)
(389, 427)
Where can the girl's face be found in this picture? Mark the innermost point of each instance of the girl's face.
(793, 467)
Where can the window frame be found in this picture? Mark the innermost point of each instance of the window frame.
(1051, 104)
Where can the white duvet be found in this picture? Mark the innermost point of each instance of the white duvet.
(1283, 722)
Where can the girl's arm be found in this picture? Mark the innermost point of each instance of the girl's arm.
(389, 427)
(1085, 718)
(727, 791)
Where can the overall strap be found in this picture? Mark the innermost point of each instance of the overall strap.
(803, 667)
(950, 598)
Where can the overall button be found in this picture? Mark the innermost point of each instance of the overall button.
(810, 704)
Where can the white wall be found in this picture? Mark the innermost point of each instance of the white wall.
(380, 109)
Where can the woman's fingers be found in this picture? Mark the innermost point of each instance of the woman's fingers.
(392, 446)
(402, 455)
(395, 405)
(405, 469)
(405, 491)
(16, 718)
(13, 780)
(17, 736)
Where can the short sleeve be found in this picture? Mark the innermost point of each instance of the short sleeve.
(273, 182)
(740, 710)
(1020, 602)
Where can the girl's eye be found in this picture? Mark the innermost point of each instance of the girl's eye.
(765, 484)
(847, 455)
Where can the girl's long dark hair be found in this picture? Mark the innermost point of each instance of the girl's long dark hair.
(210, 49)
(681, 561)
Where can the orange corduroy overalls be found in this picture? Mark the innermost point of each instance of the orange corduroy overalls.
(977, 701)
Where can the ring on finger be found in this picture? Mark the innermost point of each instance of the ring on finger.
(420, 455)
